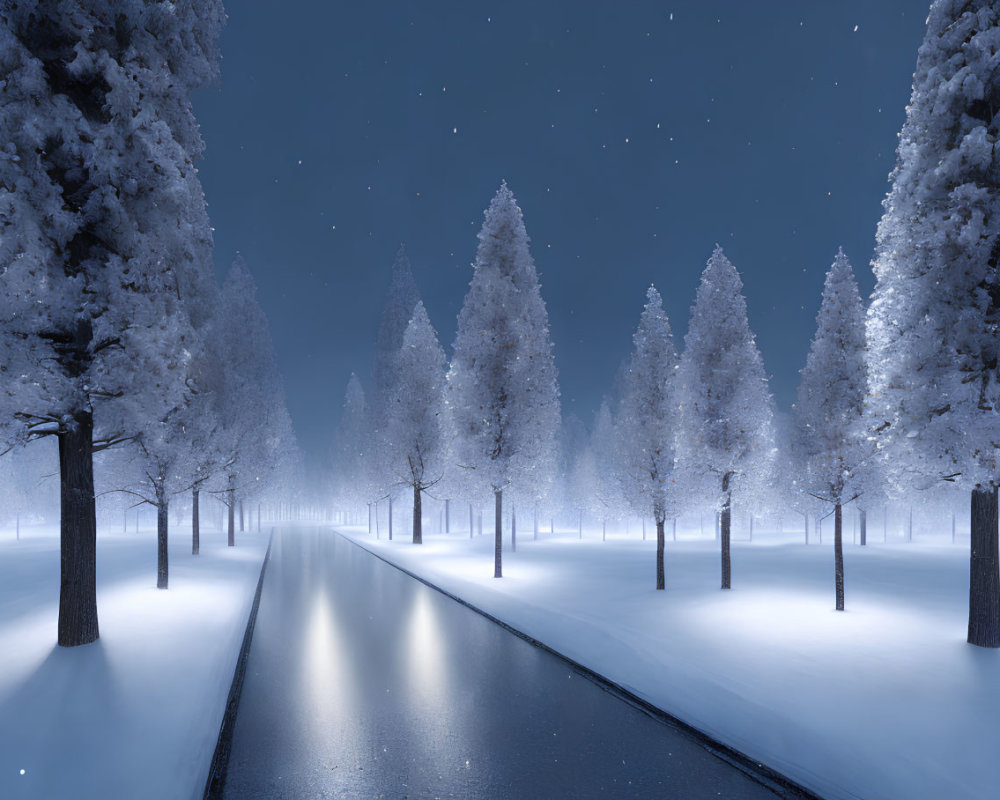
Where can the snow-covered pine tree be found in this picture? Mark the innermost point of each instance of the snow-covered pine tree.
(414, 416)
(933, 320)
(255, 429)
(829, 412)
(726, 408)
(349, 445)
(605, 442)
(401, 299)
(502, 386)
(102, 225)
(649, 417)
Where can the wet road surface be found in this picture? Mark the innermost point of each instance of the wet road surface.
(365, 683)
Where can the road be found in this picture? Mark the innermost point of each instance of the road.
(365, 683)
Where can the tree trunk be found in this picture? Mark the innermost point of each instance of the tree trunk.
(418, 523)
(725, 520)
(675, 529)
(162, 521)
(552, 526)
(241, 517)
(390, 519)
(232, 512)
(751, 527)
(479, 523)
(447, 516)
(472, 525)
(369, 519)
(77, 534)
(909, 526)
(581, 524)
(258, 517)
(984, 572)
(838, 553)
(644, 529)
(195, 523)
(497, 533)
(513, 530)
(604, 530)
(536, 524)
(863, 526)
(660, 579)
(806, 517)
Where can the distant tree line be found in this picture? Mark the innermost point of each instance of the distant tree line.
(896, 399)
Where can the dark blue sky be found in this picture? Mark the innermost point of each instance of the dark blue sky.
(634, 142)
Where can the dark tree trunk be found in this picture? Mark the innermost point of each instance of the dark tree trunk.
(162, 521)
(863, 525)
(497, 534)
(231, 506)
(77, 534)
(984, 572)
(195, 524)
(418, 512)
(675, 529)
(660, 537)
(725, 522)
(513, 530)
(241, 517)
(838, 553)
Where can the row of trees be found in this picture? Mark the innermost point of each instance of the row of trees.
(895, 398)
(113, 333)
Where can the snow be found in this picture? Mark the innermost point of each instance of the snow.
(884, 700)
(136, 714)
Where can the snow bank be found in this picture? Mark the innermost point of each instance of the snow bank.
(135, 714)
(884, 700)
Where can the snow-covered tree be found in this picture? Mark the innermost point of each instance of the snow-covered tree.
(401, 299)
(414, 417)
(933, 318)
(102, 232)
(255, 430)
(649, 416)
(726, 408)
(350, 442)
(829, 412)
(502, 387)
(605, 442)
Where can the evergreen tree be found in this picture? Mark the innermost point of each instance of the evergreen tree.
(649, 417)
(726, 408)
(401, 299)
(255, 431)
(414, 425)
(350, 445)
(102, 234)
(502, 388)
(932, 323)
(829, 412)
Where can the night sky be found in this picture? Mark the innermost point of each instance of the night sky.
(635, 135)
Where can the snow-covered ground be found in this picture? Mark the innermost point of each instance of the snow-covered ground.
(884, 700)
(135, 714)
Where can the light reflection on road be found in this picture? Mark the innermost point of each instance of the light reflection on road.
(363, 682)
